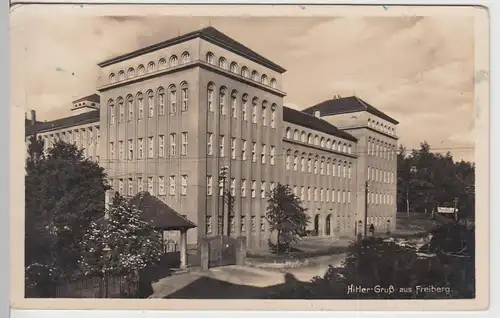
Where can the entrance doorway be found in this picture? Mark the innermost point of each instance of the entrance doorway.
(316, 225)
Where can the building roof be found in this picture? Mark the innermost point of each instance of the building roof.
(347, 105)
(84, 118)
(94, 98)
(209, 34)
(305, 120)
(162, 215)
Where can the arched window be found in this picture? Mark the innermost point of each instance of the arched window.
(322, 167)
(310, 139)
(210, 58)
(274, 83)
(369, 122)
(121, 109)
(344, 148)
(130, 73)
(162, 64)
(264, 80)
(296, 161)
(244, 102)
(186, 58)
(140, 106)
(234, 98)
(111, 107)
(210, 97)
(184, 97)
(309, 163)
(316, 165)
(222, 100)
(130, 107)
(255, 76)
(349, 149)
(141, 70)
(234, 67)
(316, 140)
(245, 72)
(112, 78)
(333, 145)
(273, 115)
(161, 100)
(303, 137)
(328, 143)
(264, 113)
(222, 63)
(288, 133)
(151, 104)
(303, 162)
(174, 61)
(151, 67)
(296, 135)
(288, 159)
(172, 98)
(322, 142)
(121, 76)
(328, 166)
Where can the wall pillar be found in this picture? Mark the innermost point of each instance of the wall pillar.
(183, 251)
(241, 250)
(204, 254)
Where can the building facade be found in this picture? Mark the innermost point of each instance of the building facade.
(189, 117)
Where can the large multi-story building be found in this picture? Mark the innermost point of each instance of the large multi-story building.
(185, 118)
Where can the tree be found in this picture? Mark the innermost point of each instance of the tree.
(133, 242)
(64, 194)
(286, 216)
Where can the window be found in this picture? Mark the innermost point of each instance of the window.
(161, 185)
(274, 84)
(221, 146)
(221, 186)
(245, 72)
(209, 185)
(295, 163)
(327, 168)
(244, 107)
(273, 116)
(150, 185)
(130, 149)
(232, 187)
(343, 196)
(151, 67)
(161, 146)
(315, 194)
(244, 150)
(344, 170)
(243, 224)
(322, 142)
(327, 192)
(255, 76)
(172, 185)
(130, 105)
(349, 172)
(121, 75)
(140, 187)
(141, 70)
(254, 185)
(309, 193)
(184, 97)
(120, 150)
(333, 195)
(302, 193)
(111, 106)
(349, 149)
(303, 164)
(234, 95)
(208, 225)
(222, 97)
(184, 145)
(264, 80)
(210, 97)
(161, 101)
(112, 78)
(272, 186)
(141, 148)
(321, 195)
(339, 171)
(310, 139)
(210, 149)
(120, 186)
(296, 135)
(264, 114)
(184, 184)
(254, 152)
(150, 147)
(309, 165)
(162, 64)
(140, 106)
(174, 61)
(233, 148)
(173, 138)
(151, 105)
(121, 109)
(263, 154)
(173, 100)
(316, 166)
(295, 190)
(287, 161)
(262, 189)
(273, 154)
(222, 63)
(339, 196)
(322, 168)
(254, 111)
(243, 188)
(112, 150)
(185, 58)
(130, 187)
(348, 196)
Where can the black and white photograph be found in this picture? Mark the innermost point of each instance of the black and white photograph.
(241, 152)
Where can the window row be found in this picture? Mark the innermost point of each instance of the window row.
(266, 115)
(316, 140)
(80, 137)
(243, 71)
(380, 175)
(156, 102)
(232, 224)
(152, 67)
(381, 149)
(382, 127)
(244, 186)
(240, 151)
(380, 198)
(318, 166)
(153, 185)
(154, 148)
(314, 194)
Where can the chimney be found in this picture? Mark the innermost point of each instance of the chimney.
(33, 117)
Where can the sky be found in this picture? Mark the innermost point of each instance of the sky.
(419, 70)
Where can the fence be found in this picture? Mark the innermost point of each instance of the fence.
(98, 287)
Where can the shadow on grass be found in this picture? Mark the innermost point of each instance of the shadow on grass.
(297, 254)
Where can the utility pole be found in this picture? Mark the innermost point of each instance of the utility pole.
(366, 207)
(455, 210)
(222, 227)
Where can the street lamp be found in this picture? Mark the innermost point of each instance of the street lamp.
(388, 227)
(106, 254)
(223, 175)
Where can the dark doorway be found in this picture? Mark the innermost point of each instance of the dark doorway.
(316, 225)
(328, 224)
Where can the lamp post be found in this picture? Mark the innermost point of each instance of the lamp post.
(106, 253)
(388, 227)
(367, 188)
(413, 170)
(455, 210)
(223, 175)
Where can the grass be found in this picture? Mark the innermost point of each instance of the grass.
(296, 255)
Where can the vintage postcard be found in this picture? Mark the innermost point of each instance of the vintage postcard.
(180, 156)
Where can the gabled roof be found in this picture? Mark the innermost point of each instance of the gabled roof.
(209, 34)
(95, 98)
(305, 120)
(347, 105)
(80, 119)
(163, 216)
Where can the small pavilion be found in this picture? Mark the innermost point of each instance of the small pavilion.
(164, 218)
